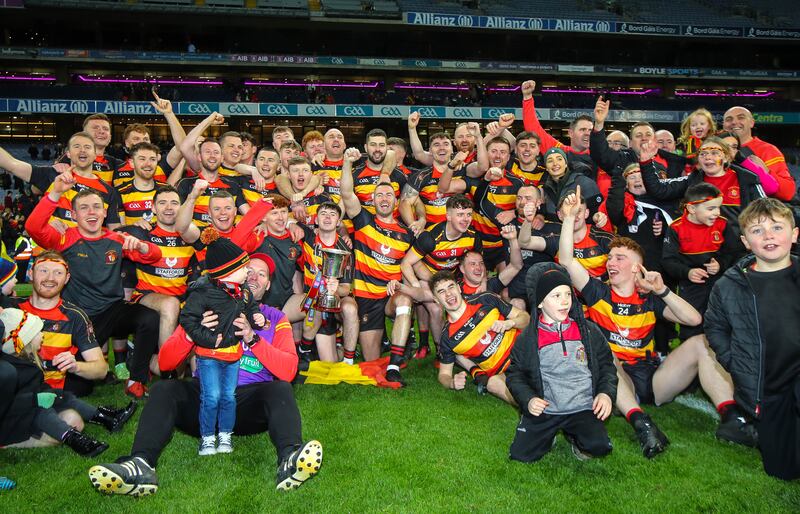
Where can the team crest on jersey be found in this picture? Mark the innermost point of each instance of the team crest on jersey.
(293, 253)
(716, 237)
(481, 314)
(171, 261)
(580, 355)
(111, 257)
(733, 192)
(55, 326)
(385, 250)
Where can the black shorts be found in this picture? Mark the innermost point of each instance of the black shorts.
(129, 279)
(372, 313)
(697, 296)
(641, 374)
(330, 323)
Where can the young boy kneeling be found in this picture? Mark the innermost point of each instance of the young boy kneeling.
(753, 325)
(562, 373)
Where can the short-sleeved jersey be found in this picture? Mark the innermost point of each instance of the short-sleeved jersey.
(66, 329)
(313, 254)
(626, 322)
(104, 167)
(500, 194)
(531, 178)
(470, 334)
(251, 193)
(379, 247)
(312, 202)
(365, 179)
(728, 184)
(225, 171)
(170, 274)
(440, 253)
(42, 177)
(125, 173)
(334, 172)
(426, 183)
(592, 251)
(201, 217)
(287, 255)
(137, 205)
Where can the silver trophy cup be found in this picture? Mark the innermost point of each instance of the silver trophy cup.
(334, 264)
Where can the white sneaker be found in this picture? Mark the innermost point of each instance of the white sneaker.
(208, 445)
(225, 443)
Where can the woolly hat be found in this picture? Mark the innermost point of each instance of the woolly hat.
(553, 150)
(8, 270)
(549, 280)
(20, 329)
(223, 257)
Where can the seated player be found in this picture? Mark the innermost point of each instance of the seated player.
(625, 308)
(480, 334)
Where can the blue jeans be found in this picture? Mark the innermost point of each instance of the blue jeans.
(217, 394)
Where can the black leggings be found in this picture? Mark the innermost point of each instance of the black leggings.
(265, 406)
(122, 319)
(48, 422)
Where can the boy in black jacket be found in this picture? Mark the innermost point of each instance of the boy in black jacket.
(753, 325)
(218, 350)
(562, 373)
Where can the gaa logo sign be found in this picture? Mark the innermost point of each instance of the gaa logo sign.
(428, 112)
(198, 109)
(390, 111)
(379, 62)
(79, 106)
(353, 110)
(238, 109)
(421, 64)
(337, 60)
(603, 26)
(277, 109)
(462, 113)
(495, 113)
(464, 21)
(316, 110)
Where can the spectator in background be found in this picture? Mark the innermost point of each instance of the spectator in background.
(8, 201)
(33, 151)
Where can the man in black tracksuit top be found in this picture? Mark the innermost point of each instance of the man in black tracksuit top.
(562, 374)
(94, 255)
(753, 325)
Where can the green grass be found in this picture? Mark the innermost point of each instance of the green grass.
(419, 449)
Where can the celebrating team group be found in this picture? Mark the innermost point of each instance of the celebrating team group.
(554, 277)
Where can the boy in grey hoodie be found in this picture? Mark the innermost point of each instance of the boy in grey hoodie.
(562, 373)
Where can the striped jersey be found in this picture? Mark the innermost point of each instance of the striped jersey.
(334, 172)
(365, 179)
(66, 329)
(313, 254)
(125, 173)
(440, 253)
(500, 194)
(201, 217)
(42, 177)
(252, 193)
(168, 275)
(470, 335)
(626, 322)
(592, 251)
(426, 183)
(137, 205)
(379, 247)
(531, 178)
(225, 171)
(104, 167)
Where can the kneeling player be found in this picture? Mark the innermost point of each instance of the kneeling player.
(481, 331)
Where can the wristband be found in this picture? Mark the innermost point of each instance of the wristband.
(450, 167)
(664, 294)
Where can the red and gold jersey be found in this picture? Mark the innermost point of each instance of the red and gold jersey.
(626, 322)
(379, 247)
(169, 275)
(592, 251)
(225, 171)
(728, 184)
(440, 253)
(251, 193)
(104, 167)
(531, 178)
(125, 173)
(471, 335)
(426, 183)
(334, 171)
(66, 329)
(201, 217)
(365, 179)
(313, 247)
(501, 194)
(137, 205)
(42, 178)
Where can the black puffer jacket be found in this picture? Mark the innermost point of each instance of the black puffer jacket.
(731, 326)
(554, 192)
(523, 376)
